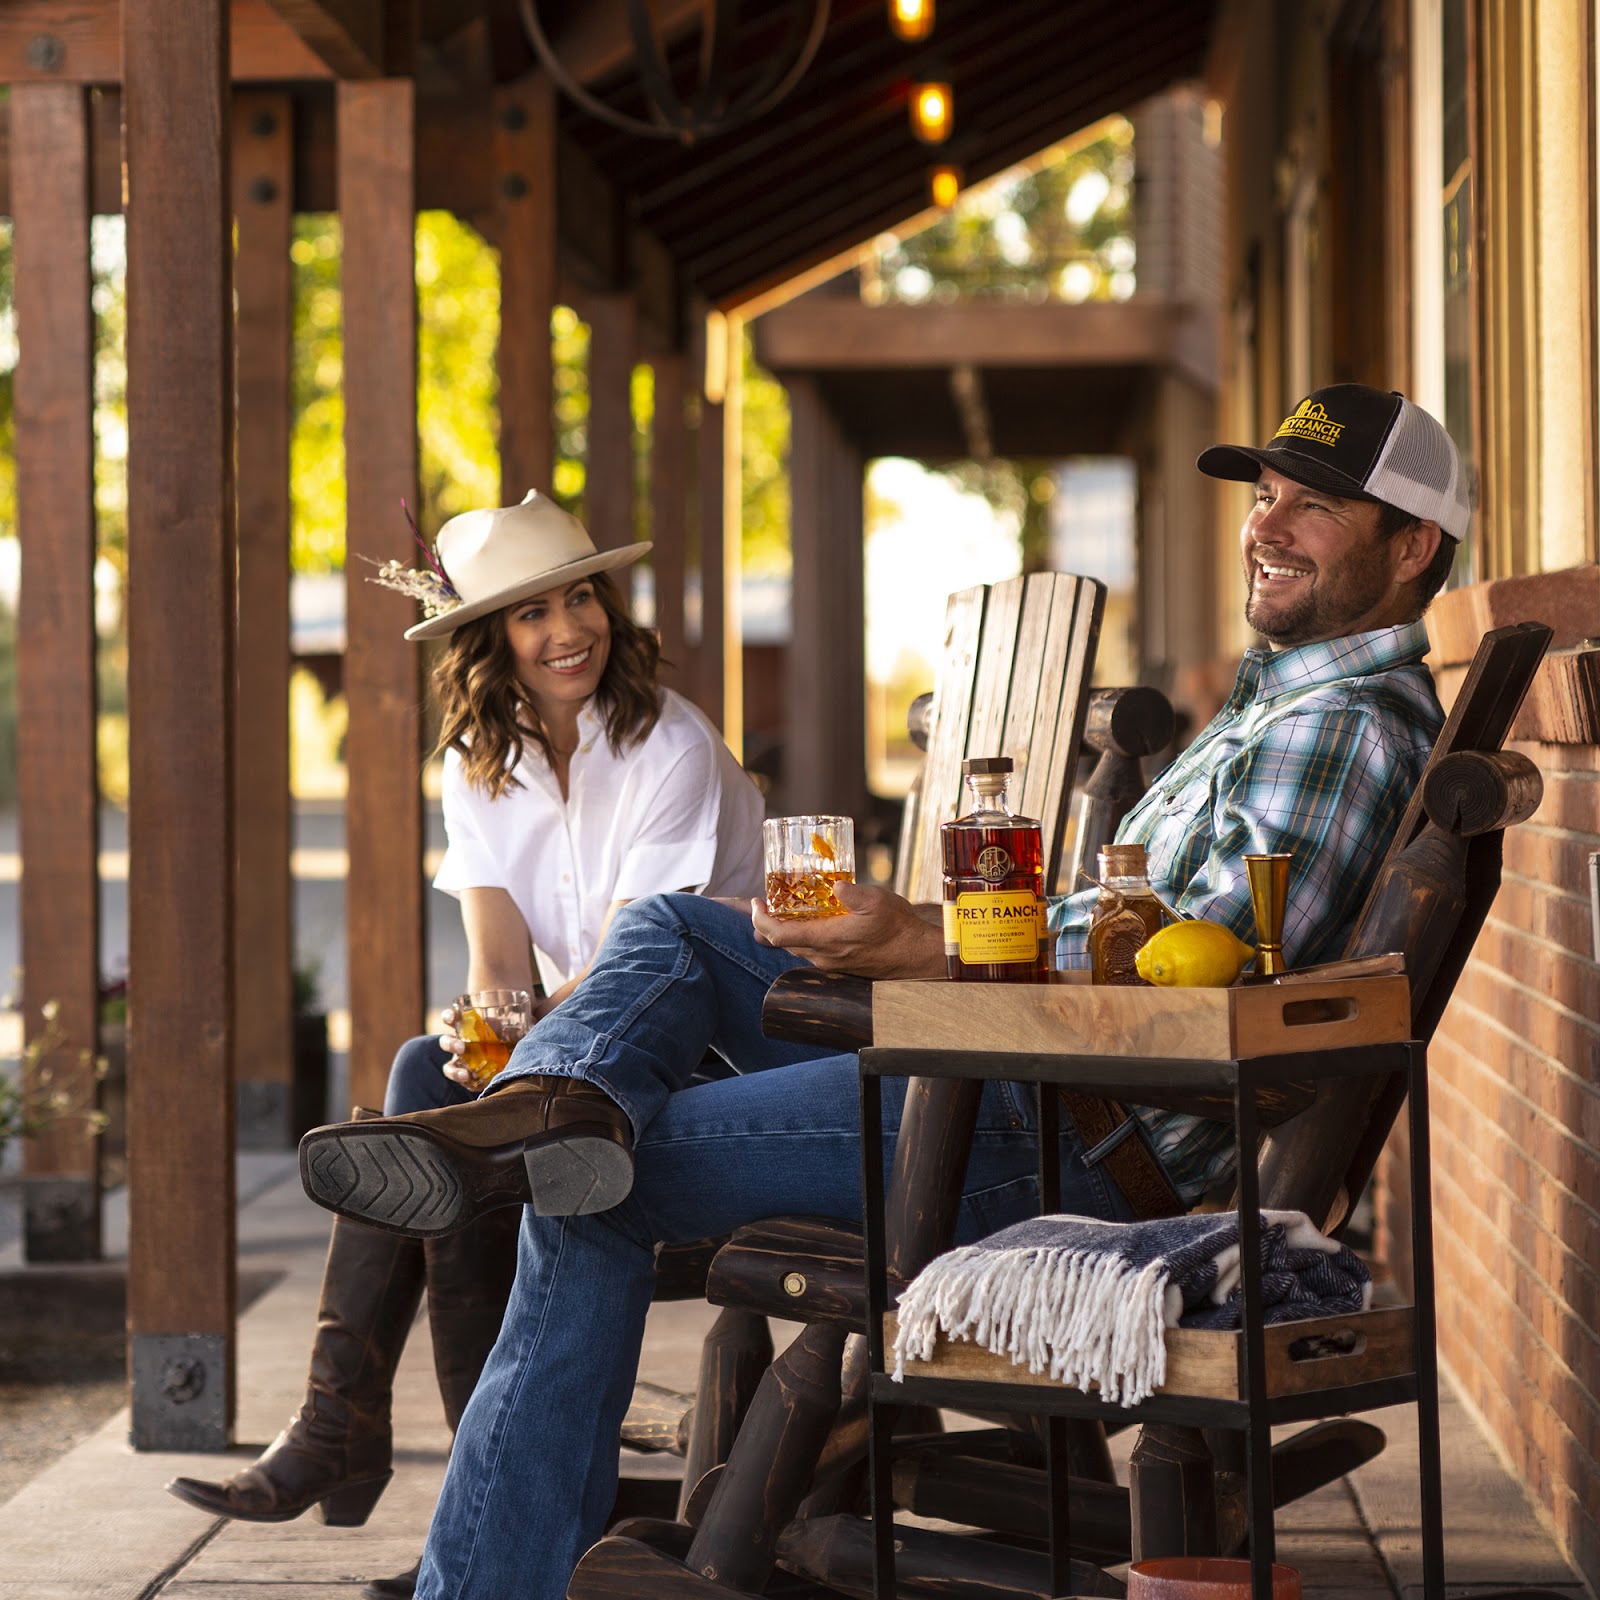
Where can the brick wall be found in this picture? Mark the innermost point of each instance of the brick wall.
(1515, 1078)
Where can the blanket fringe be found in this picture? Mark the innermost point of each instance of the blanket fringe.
(1086, 1318)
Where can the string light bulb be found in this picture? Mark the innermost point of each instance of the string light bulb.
(932, 112)
(911, 20)
(944, 184)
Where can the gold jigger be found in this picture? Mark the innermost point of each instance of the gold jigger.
(1269, 895)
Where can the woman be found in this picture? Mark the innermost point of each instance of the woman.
(573, 783)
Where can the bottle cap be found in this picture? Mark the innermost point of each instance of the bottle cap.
(1123, 861)
(978, 764)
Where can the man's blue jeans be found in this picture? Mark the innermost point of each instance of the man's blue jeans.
(534, 1469)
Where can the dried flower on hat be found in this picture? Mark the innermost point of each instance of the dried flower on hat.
(431, 586)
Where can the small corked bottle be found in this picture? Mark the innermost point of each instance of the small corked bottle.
(1125, 916)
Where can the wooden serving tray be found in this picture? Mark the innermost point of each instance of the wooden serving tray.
(1207, 1365)
(1072, 1017)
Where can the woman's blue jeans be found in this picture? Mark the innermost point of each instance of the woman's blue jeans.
(534, 1469)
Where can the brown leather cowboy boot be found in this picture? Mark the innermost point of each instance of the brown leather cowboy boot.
(559, 1144)
(469, 1281)
(336, 1453)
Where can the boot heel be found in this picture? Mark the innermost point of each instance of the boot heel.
(350, 1506)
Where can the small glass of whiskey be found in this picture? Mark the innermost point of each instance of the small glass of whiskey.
(806, 856)
(491, 1021)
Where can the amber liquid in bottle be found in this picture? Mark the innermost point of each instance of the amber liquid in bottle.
(1125, 916)
(994, 912)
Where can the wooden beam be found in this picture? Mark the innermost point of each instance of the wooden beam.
(383, 756)
(56, 785)
(831, 333)
(181, 1295)
(350, 36)
(824, 753)
(44, 41)
(263, 158)
(669, 512)
(525, 208)
(609, 482)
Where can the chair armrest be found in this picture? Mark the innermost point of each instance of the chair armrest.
(811, 1007)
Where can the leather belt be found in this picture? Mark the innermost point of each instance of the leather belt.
(1128, 1159)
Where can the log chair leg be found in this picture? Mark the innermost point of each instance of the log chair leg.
(1172, 1484)
(736, 1351)
(772, 1462)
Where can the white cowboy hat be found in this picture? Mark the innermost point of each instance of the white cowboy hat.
(495, 557)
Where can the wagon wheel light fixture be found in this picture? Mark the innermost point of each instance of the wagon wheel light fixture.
(711, 109)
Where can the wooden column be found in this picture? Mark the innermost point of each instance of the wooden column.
(383, 755)
(181, 555)
(56, 785)
(608, 492)
(710, 656)
(669, 509)
(824, 760)
(525, 204)
(263, 906)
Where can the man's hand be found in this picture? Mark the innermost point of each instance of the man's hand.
(883, 936)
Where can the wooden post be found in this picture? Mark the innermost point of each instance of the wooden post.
(669, 509)
(264, 1079)
(383, 756)
(824, 760)
(525, 203)
(56, 785)
(709, 656)
(608, 492)
(181, 554)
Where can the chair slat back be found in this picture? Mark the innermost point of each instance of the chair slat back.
(1328, 1151)
(1013, 682)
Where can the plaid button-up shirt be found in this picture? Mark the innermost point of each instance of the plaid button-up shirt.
(1317, 753)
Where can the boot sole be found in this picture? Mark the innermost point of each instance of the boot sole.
(406, 1181)
(347, 1506)
(412, 1182)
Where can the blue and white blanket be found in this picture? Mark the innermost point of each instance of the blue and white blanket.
(1087, 1301)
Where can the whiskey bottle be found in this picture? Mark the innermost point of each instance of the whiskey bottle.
(1125, 916)
(994, 910)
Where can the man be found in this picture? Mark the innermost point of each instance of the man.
(1359, 501)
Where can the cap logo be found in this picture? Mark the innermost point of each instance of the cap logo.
(1311, 422)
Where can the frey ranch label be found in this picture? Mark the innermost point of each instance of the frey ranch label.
(1004, 925)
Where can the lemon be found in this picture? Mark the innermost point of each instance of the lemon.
(1193, 955)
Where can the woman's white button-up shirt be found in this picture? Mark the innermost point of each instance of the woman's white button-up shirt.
(675, 812)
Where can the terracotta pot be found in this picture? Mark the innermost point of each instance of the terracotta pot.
(1204, 1578)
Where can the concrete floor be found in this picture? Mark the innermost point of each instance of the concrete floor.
(96, 1525)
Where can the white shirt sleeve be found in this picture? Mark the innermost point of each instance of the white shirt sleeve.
(674, 845)
(469, 862)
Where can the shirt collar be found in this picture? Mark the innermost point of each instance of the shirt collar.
(1266, 674)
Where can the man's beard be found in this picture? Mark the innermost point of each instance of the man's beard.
(1330, 601)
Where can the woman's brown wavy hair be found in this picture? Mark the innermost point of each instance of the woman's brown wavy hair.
(489, 719)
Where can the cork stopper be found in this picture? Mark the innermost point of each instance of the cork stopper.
(1123, 861)
(975, 765)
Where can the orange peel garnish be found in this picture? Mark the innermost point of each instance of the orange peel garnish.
(822, 847)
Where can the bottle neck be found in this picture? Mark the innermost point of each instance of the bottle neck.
(990, 792)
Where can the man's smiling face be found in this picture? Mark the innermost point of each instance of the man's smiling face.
(1316, 566)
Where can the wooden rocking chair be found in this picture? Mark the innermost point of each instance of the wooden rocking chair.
(1432, 896)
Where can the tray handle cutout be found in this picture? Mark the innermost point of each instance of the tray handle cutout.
(1337, 1344)
(1316, 1013)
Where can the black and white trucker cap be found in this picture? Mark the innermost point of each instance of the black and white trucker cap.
(1360, 444)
